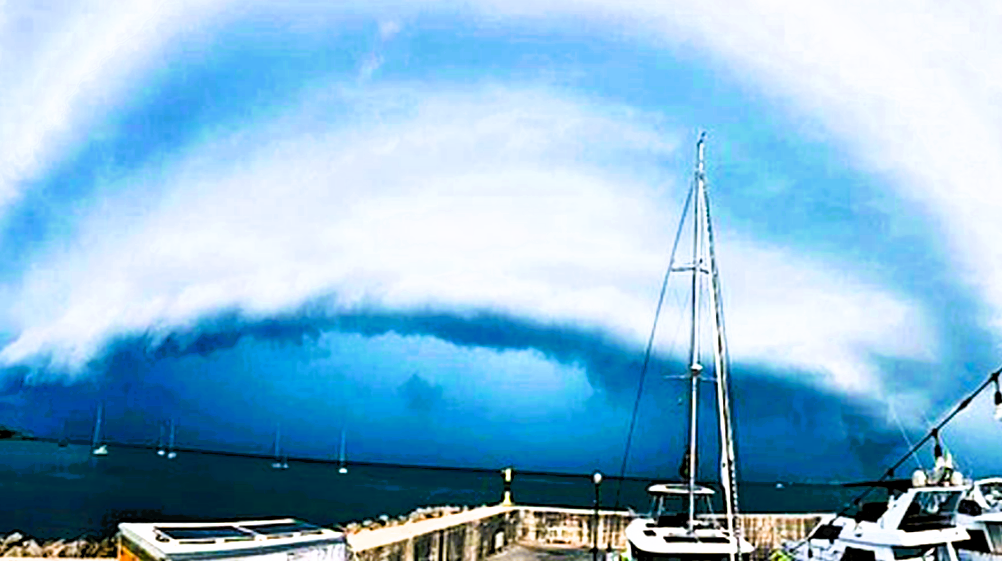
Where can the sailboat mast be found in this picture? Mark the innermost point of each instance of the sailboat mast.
(341, 454)
(695, 368)
(97, 426)
(170, 446)
(728, 472)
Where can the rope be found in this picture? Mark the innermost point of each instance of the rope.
(904, 435)
(650, 345)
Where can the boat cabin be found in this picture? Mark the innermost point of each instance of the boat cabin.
(670, 502)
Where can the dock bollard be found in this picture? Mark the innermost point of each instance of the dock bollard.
(507, 487)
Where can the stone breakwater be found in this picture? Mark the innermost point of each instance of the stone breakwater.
(385, 521)
(19, 545)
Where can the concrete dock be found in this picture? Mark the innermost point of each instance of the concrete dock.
(529, 552)
(526, 533)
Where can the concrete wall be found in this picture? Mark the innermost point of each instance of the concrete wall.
(768, 531)
(573, 527)
(476, 534)
(468, 536)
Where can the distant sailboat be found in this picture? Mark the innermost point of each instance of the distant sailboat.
(160, 441)
(97, 447)
(171, 454)
(280, 460)
(65, 440)
(342, 466)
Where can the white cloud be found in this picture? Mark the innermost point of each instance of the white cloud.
(389, 28)
(469, 198)
(911, 91)
(63, 64)
(909, 88)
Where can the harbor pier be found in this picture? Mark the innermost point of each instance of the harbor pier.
(485, 532)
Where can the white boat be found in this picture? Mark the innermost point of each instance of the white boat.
(281, 462)
(342, 465)
(915, 522)
(980, 513)
(673, 531)
(98, 448)
(171, 454)
(244, 540)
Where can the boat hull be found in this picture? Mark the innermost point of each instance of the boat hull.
(649, 542)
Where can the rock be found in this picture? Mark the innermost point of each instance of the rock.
(107, 548)
(57, 548)
(14, 551)
(10, 541)
(75, 548)
(32, 549)
(53, 549)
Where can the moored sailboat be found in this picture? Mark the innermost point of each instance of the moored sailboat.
(342, 464)
(676, 532)
(65, 440)
(281, 462)
(171, 454)
(98, 448)
(161, 451)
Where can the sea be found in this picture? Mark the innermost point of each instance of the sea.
(49, 492)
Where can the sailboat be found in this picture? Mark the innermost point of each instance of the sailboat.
(674, 531)
(342, 466)
(65, 440)
(171, 454)
(280, 460)
(97, 447)
(160, 441)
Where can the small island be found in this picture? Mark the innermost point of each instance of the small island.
(12, 434)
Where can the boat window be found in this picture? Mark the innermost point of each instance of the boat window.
(992, 493)
(969, 508)
(694, 539)
(975, 542)
(853, 554)
(826, 532)
(871, 512)
(930, 510)
(924, 553)
(673, 520)
(203, 533)
(282, 528)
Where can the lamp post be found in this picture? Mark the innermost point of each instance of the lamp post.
(596, 478)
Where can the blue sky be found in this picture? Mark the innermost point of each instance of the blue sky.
(444, 225)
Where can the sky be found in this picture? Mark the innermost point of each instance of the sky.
(443, 226)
